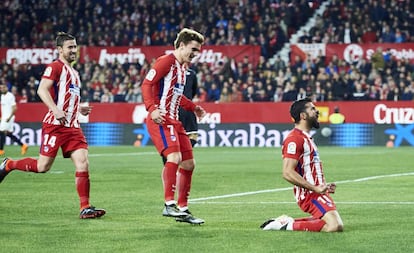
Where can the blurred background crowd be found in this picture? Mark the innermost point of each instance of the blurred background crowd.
(266, 23)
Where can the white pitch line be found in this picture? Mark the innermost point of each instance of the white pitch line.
(292, 202)
(290, 188)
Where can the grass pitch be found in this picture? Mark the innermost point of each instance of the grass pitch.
(234, 190)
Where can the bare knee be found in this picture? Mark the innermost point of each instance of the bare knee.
(43, 168)
(333, 227)
(188, 164)
(44, 164)
(174, 157)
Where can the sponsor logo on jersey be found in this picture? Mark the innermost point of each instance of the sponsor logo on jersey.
(73, 89)
(48, 72)
(151, 74)
(291, 148)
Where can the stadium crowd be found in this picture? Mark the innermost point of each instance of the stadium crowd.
(267, 23)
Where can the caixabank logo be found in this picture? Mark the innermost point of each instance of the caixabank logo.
(401, 133)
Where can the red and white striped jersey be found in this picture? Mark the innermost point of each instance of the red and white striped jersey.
(163, 87)
(65, 92)
(299, 145)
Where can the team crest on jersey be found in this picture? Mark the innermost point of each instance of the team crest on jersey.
(151, 74)
(48, 71)
(291, 148)
(173, 138)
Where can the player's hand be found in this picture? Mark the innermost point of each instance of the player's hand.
(85, 110)
(321, 189)
(61, 117)
(200, 112)
(331, 187)
(157, 116)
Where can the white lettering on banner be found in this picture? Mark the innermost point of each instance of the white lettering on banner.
(210, 118)
(208, 56)
(313, 49)
(385, 115)
(256, 136)
(31, 55)
(31, 137)
(133, 55)
(397, 54)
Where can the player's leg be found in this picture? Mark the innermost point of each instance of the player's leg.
(4, 126)
(193, 138)
(166, 143)
(14, 138)
(169, 179)
(40, 165)
(324, 218)
(76, 147)
(184, 180)
(333, 222)
(323, 210)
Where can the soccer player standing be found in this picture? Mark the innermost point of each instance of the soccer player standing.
(8, 109)
(187, 118)
(59, 90)
(162, 92)
(303, 168)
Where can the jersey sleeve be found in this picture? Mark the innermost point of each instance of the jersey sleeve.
(292, 147)
(52, 71)
(160, 68)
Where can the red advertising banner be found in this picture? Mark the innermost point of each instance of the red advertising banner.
(352, 53)
(378, 112)
(209, 54)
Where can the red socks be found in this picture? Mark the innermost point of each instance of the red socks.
(83, 186)
(308, 224)
(25, 164)
(184, 186)
(169, 178)
(82, 178)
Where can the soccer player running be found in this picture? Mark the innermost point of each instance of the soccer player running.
(162, 92)
(8, 109)
(59, 89)
(303, 168)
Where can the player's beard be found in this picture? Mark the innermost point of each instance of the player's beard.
(70, 57)
(313, 121)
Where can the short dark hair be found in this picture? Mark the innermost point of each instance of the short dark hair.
(186, 35)
(62, 37)
(298, 107)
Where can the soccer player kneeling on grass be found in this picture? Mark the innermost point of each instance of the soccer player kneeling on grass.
(303, 168)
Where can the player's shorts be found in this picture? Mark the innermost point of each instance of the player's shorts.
(7, 126)
(68, 139)
(317, 204)
(170, 137)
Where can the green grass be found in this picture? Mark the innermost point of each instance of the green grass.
(39, 212)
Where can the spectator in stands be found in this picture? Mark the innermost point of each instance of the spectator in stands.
(255, 22)
(213, 94)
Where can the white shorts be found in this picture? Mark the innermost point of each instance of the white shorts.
(7, 126)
